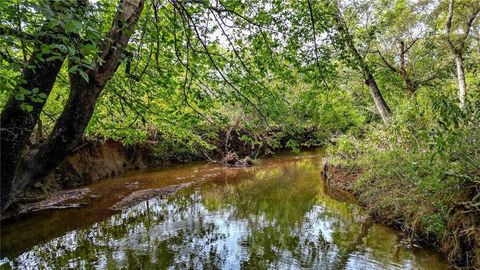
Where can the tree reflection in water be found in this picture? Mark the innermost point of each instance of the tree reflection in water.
(277, 217)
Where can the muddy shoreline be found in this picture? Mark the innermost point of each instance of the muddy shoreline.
(91, 162)
(345, 178)
(80, 198)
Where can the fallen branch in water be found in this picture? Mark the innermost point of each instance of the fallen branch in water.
(143, 195)
(52, 207)
(231, 159)
(56, 201)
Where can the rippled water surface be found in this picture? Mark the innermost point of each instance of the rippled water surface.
(276, 215)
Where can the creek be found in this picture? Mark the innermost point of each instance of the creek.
(278, 214)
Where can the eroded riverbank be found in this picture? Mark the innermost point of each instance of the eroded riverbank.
(406, 207)
(276, 214)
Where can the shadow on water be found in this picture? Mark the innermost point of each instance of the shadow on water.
(275, 215)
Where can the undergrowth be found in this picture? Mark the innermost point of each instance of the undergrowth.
(422, 173)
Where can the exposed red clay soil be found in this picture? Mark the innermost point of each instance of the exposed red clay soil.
(90, 162)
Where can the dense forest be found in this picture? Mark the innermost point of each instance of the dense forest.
(391, 90)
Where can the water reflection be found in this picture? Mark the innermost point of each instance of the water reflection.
(275, 216)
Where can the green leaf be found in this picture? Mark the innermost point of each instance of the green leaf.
(19, 97)
(46, 49)
(55, 57)
(73, 26)
(88, 48)
(73, 69)
(84, 75)
(71, 50)
(26, 107)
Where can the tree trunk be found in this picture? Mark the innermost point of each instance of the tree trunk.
(403, 69)
(16, 123)
(377, 97)
(462, 85)
(37, 133)
(458, 49)
(68, 131)
(66, 134)
(380, 102)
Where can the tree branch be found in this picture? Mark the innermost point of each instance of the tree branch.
(182, 9)
(411, 45)
(387, 64)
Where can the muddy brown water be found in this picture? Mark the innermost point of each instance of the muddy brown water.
(275, 215)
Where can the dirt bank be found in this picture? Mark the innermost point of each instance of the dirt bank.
(94, 160)
(91, 162)
(392, 204)
(97, 159)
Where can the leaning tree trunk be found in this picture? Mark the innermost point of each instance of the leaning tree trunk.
(377, 96)
(65, 136)
(462, 85)
(40, 73)
(68, 131)
(347, 39)
(17, 124)
(380, 102)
